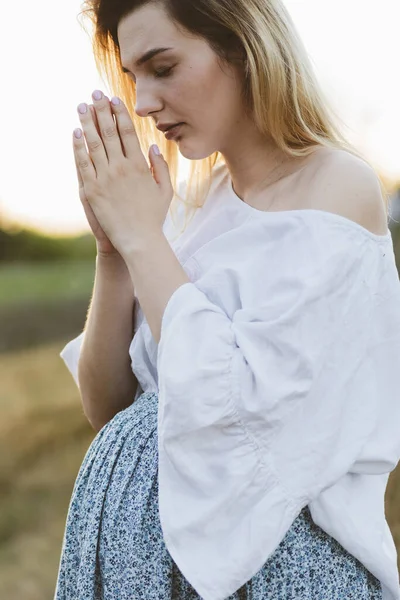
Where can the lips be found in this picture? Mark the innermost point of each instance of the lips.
(173, 131)
(172, 126)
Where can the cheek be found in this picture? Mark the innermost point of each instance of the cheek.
(188, 99)
(198, 87)
(200, 93)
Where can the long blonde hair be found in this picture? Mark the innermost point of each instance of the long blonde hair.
(279, 88)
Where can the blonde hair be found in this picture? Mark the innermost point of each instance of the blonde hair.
(280, 88)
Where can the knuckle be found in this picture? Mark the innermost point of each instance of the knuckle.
(102, 107)
(94, 145)
(109, 132)
(127, 130)
(84, 164)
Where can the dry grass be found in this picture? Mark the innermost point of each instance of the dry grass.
(43, 439)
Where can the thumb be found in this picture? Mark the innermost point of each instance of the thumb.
(160, 169)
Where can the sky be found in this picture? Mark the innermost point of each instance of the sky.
(47, 69)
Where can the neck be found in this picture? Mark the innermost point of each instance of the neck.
(254, 162)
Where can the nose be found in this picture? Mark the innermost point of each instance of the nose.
(147, 101)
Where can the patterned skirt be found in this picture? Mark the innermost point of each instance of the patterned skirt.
(113, 546)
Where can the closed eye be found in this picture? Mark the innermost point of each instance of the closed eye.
(163, 72)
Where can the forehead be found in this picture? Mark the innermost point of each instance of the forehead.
(144, 28)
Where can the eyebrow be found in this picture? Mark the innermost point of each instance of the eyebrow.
(146, 57)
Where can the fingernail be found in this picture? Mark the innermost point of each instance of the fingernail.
(78, 133)
(82, 108)
(97, 95)
(156, 149)
(115, 100)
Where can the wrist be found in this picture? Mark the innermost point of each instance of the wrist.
(143, 243)
(115, 256)
(112, 263)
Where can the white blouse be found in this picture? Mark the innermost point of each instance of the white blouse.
(277, 382)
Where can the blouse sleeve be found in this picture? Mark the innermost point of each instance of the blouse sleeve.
(263, 402)
(70, 355)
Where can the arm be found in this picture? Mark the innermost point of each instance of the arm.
(106, 381)
(157, 274)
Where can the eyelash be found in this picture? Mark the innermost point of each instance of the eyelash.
(163, 72)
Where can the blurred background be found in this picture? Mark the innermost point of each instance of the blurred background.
(47, 251)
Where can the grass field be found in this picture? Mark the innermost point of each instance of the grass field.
(44, 436)
(43, 302)
(43, 432)
(42, 282)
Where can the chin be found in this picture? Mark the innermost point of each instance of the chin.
(190, 152)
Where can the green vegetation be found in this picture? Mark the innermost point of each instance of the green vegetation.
(43, 302)
(23, 244)
(23, 282)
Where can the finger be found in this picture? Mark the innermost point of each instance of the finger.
(94, 142)
(108, 129)
(94, 117)
(83, 161)
(80, 180)
(160, 171)
(78, 173)
(127, 131)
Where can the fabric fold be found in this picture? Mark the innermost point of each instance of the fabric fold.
(262, 405)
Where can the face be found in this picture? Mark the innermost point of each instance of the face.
(184, 84)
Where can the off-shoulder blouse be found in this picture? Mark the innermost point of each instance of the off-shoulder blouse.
(277, 381)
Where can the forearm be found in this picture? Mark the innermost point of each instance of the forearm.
(157, 274)
(107, 383)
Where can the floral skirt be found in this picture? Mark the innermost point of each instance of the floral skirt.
(113, 546)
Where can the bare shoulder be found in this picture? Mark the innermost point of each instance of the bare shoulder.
(344, 184)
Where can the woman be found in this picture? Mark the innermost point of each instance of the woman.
(245, 451)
